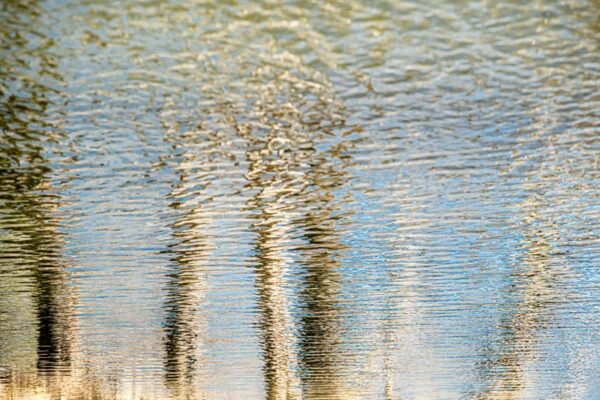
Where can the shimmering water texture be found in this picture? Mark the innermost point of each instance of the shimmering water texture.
(287, 199)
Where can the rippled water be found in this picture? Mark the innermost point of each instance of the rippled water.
(299, 199)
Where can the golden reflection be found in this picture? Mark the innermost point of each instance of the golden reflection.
(279, 359)
(278, 181)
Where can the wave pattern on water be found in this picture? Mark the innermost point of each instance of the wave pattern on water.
(288, 199)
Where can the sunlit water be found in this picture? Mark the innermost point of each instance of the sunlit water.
(300, 200)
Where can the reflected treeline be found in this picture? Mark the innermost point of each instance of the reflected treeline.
(36, 327)
(261, 178)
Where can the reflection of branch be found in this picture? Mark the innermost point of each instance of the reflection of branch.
(54, 341)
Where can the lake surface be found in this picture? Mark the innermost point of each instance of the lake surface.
(299, 199)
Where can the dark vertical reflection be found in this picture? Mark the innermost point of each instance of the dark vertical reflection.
(185, 293)
(321, 322)
(31, 256)
(54, 334)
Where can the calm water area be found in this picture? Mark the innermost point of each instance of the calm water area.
(293, 199)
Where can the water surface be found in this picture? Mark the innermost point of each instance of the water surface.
(299, 200)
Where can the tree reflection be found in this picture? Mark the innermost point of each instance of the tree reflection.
(280, 377)
(321, 322)
(184, 322)
(32, 244)
(186, 290)
(271, 174)
(536, 284)
(280, 201)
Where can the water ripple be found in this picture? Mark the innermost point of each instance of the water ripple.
(299, 200)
